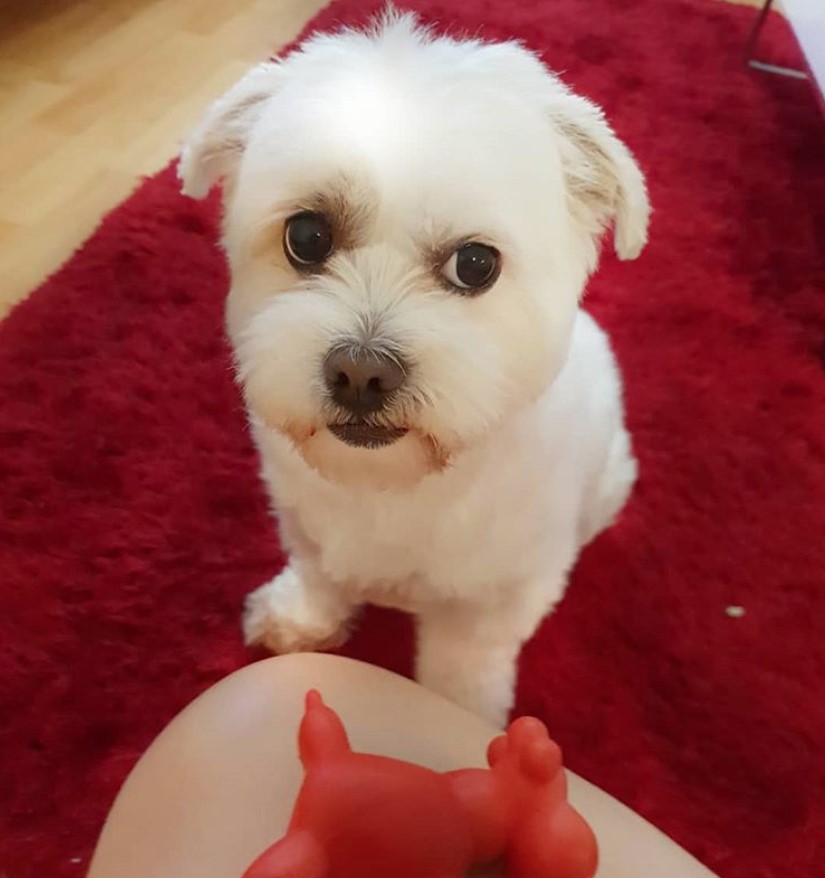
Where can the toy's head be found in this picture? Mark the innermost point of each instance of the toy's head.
(410, 222)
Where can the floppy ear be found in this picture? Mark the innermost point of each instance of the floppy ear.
(215, 147)
(604, 182)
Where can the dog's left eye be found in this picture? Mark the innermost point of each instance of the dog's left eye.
(307, 239)
(472, 268)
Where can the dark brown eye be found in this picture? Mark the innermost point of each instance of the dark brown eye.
(472, 268)
(307, 239)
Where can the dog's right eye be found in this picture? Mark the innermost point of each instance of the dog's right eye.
(307, 239)
(472, 268)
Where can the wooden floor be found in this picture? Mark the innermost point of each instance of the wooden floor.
(96, 93)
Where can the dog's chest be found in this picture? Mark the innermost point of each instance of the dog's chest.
(387, 546)
(454, 538)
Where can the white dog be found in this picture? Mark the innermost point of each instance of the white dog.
(410, 222)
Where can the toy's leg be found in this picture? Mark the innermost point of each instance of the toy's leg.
(557, 845)
(469, 653)
(296, 855)
(526, 752)
(297, 611)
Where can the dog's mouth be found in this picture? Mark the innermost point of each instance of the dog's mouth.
(360, 434)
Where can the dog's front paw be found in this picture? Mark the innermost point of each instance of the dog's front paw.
(285, 617)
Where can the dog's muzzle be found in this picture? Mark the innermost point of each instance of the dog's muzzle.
(362, 381)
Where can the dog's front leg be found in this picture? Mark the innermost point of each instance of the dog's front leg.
(469, 653)
(298, 610)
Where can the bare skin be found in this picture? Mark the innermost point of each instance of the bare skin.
(217, 787)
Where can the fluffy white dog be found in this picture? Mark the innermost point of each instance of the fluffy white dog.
(410, 222)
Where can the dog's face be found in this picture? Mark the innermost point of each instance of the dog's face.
(410, 222)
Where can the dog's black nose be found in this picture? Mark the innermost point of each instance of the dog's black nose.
(361, 380)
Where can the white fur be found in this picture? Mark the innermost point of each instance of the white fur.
(516, 453)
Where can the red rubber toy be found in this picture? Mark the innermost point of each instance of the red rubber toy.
(362, 816)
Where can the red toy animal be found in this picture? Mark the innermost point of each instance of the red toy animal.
(362, 816)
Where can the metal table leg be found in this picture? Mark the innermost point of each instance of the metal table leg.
(750, 49)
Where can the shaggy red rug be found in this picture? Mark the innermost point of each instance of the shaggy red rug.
(132, 521)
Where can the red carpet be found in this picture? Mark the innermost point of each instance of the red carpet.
(132, 522)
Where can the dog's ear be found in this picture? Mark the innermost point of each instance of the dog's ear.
(214, 149)
(604, 183)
